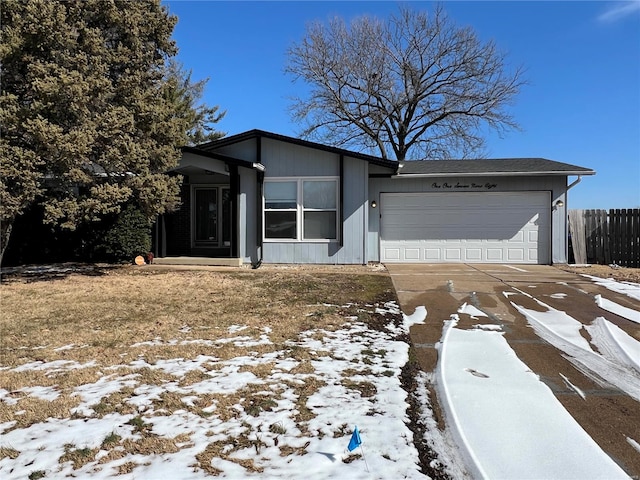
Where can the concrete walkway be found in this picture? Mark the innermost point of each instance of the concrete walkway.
(608, 415)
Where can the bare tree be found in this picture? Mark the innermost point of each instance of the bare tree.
(415, 86)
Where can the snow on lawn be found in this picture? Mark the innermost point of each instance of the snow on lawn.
(505, 423)
(357, 370)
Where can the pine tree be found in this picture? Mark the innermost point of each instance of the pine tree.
(87, 123)
(186, 95)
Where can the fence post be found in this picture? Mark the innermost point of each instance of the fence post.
(635, 237)
(578, 235)
(606, 235)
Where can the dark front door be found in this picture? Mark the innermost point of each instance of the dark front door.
(206, 216)
(211, 217)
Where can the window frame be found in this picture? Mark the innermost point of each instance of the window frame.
(300, 210)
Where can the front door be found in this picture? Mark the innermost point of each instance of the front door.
(211, 216)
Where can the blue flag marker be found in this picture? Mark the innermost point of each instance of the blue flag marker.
(355, 440)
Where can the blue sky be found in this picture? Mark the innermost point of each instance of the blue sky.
(582, 104)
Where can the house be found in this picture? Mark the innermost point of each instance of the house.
(261, 197)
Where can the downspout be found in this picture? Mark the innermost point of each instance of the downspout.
(259, 213)
(577, 181)
(365, 226)
(341, 194)
(259, 227)
(566, 226)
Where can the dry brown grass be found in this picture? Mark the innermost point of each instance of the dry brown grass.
(78, 456)
(621, 274)
(101, 323)
(8, 452)
(103, 316)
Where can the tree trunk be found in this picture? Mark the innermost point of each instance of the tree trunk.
(5, 233)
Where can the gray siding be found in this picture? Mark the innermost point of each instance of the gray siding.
(556, 185)
(288, 160)
(204, 163)
(356, 189)
(246, 150)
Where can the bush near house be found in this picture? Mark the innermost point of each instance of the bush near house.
(127, 237)
(116, 238)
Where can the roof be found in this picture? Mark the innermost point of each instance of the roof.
(486, 167)
(414, 168)
(251, 134)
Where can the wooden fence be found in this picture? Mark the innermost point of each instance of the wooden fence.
(606, 236)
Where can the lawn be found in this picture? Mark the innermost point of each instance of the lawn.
(146, 372)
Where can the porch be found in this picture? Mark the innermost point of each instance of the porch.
(209, 227)
(201, 261)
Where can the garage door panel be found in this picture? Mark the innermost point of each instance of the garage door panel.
(453, 233)
(452, 254)
(473, 255)
(487, 227)
(515, 255)
(494, 255)
(392, 254)
(432, 254)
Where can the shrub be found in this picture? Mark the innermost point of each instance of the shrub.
(128, 236)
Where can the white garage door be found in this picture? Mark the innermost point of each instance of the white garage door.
(480, 227)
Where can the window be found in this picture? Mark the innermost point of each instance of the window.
(301, 209)
(280, 209)
(319, 209)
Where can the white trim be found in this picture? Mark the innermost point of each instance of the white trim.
(300, 210)
(488, 174)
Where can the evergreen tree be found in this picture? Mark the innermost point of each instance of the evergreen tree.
(88, 121)
(186, 96)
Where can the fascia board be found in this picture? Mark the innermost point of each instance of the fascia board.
(492, 174)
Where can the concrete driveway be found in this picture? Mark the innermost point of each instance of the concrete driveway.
(606, 413)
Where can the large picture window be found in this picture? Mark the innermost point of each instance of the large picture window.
(301, 209)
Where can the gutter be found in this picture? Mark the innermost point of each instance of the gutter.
(491, 174)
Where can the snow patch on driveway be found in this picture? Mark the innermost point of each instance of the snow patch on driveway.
(486, 413)
(563, 332)
(626, 288)
(472, 311)
(617, 309)
(614, 343)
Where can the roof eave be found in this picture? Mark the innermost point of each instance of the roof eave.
(493, 174)
(251, 134)
(224, 158)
